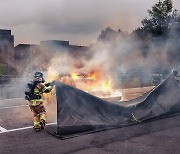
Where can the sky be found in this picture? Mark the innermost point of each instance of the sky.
(78, 21)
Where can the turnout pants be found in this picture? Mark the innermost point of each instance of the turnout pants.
(39, 113)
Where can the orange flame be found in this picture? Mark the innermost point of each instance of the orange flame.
(95, 81)
(94, 75)
(92, 80)
(107, 84)
(75, 76)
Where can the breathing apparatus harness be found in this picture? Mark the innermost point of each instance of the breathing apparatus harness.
(29, 93)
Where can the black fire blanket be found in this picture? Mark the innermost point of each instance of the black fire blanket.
(79, 112)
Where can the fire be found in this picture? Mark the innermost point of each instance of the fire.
(94, 75)
(51, 75)
(75, 76)
(93, 81)
(107, 84)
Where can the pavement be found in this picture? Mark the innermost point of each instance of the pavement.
(18, 137)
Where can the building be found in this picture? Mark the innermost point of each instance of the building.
(50, 48)
(6, 54)
(26, 55)
(56, 44)
(59, 46)
(26, 51)
(6, 46)
(39, 56)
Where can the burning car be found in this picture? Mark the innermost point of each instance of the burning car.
(93, 82)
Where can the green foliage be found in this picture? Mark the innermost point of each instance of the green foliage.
(161, 18)
(3, 68)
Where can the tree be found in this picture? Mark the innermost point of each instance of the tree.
(161, 17)
(107, 34)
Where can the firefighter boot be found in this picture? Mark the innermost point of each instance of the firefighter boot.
(37, 128)
(42, 123)
(43, 120)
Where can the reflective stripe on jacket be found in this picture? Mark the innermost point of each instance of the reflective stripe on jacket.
(47, 89)
(35, 102)
(38, 91)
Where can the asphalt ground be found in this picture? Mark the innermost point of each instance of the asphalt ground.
(18, 137)
(160, 136)
(19, 115)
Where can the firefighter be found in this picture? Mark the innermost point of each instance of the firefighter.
(33, 94)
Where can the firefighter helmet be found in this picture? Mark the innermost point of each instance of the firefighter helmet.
(39, 76)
